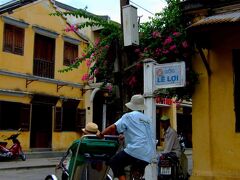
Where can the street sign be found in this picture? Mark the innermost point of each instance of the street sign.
(169, 75)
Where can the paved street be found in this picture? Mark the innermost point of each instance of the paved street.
(39, 168)
(26, 174)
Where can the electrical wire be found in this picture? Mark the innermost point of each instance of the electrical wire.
(142, 8)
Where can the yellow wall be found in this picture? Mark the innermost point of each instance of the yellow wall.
(37, 13)
(62, 140)
(215, 142)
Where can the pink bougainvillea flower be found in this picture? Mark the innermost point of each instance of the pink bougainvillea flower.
(92, 56)
(137, 50)
(168, 40)
(85, 77)
(165, 51)
(83, 54)
(109, 88)
(96, 71)
(88, 62)
(145, 49)
(173, 47)
(91, 78)
(139, 66)
(158, 51)
(185, 44)
(156, 34)
(97, 41)
(107, 46)
(132, 81)
(176, 34)
(71, 28)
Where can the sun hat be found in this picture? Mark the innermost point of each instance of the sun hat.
(136, 103)
(91, 128)
(164, 118)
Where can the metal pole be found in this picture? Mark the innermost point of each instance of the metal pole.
(151, 170)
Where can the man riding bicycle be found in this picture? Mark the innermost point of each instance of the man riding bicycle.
(140, 146)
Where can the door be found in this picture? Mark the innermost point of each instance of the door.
(41, 126)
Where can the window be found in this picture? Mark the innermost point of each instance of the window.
(69, 117)
(14, 116)
(13, 39)
(70, 53)
(44, 56)
(236, 85)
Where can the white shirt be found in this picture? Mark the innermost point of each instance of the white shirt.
(171, 142)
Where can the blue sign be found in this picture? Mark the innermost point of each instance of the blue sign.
(170, 75)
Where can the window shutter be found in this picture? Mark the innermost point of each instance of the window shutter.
(81, 119)
(18, 41)
(236, 84)
(58, 119)
(70, 53)
(25, 117)
(8, 38)
(13, 39)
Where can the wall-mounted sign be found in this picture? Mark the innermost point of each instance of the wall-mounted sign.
(170, 75)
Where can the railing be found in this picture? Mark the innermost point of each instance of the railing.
(43, 68)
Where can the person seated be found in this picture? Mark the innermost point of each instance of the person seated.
(171, 141)
(90, 129)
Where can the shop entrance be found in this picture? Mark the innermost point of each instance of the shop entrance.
(41, 121)
(98, 109)
(41, 126)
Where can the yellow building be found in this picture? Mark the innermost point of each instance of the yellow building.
(48, 105)
(215, 113)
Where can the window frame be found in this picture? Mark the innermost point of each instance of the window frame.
(14, 115)
(18, 33)
(236, 87)
(73, 50)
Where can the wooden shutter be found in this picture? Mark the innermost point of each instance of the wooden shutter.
(70, 53)
(13, 39)
(8, 38)
(25, 117)
(81, 119)
(58, 119)
(236, 85)
(18, 41)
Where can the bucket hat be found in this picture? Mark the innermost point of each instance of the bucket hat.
(164, 118)
(91, 128)
(136, 103)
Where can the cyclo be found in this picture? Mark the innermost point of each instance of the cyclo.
(86, 159)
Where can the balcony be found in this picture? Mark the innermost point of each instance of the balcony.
(43, 68)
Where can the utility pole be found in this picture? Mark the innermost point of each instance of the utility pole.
(123, 59)
(151, 169)
(123, 3)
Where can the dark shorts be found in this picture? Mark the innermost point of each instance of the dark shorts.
(122, 159)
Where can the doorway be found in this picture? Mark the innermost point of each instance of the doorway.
(41, 126)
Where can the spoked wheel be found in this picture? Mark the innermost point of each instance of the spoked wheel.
(136, 174)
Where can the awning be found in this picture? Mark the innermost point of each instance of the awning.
(44, 99)
(224, 18)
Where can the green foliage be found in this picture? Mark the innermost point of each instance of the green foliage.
(99, 57)
(164, 39)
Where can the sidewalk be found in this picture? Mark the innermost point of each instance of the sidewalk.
(30, 163)
(34, 160)
(51, 159)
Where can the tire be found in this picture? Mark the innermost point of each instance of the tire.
(23, 156)
(51, 177)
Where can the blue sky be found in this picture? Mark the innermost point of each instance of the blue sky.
(112, 7)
